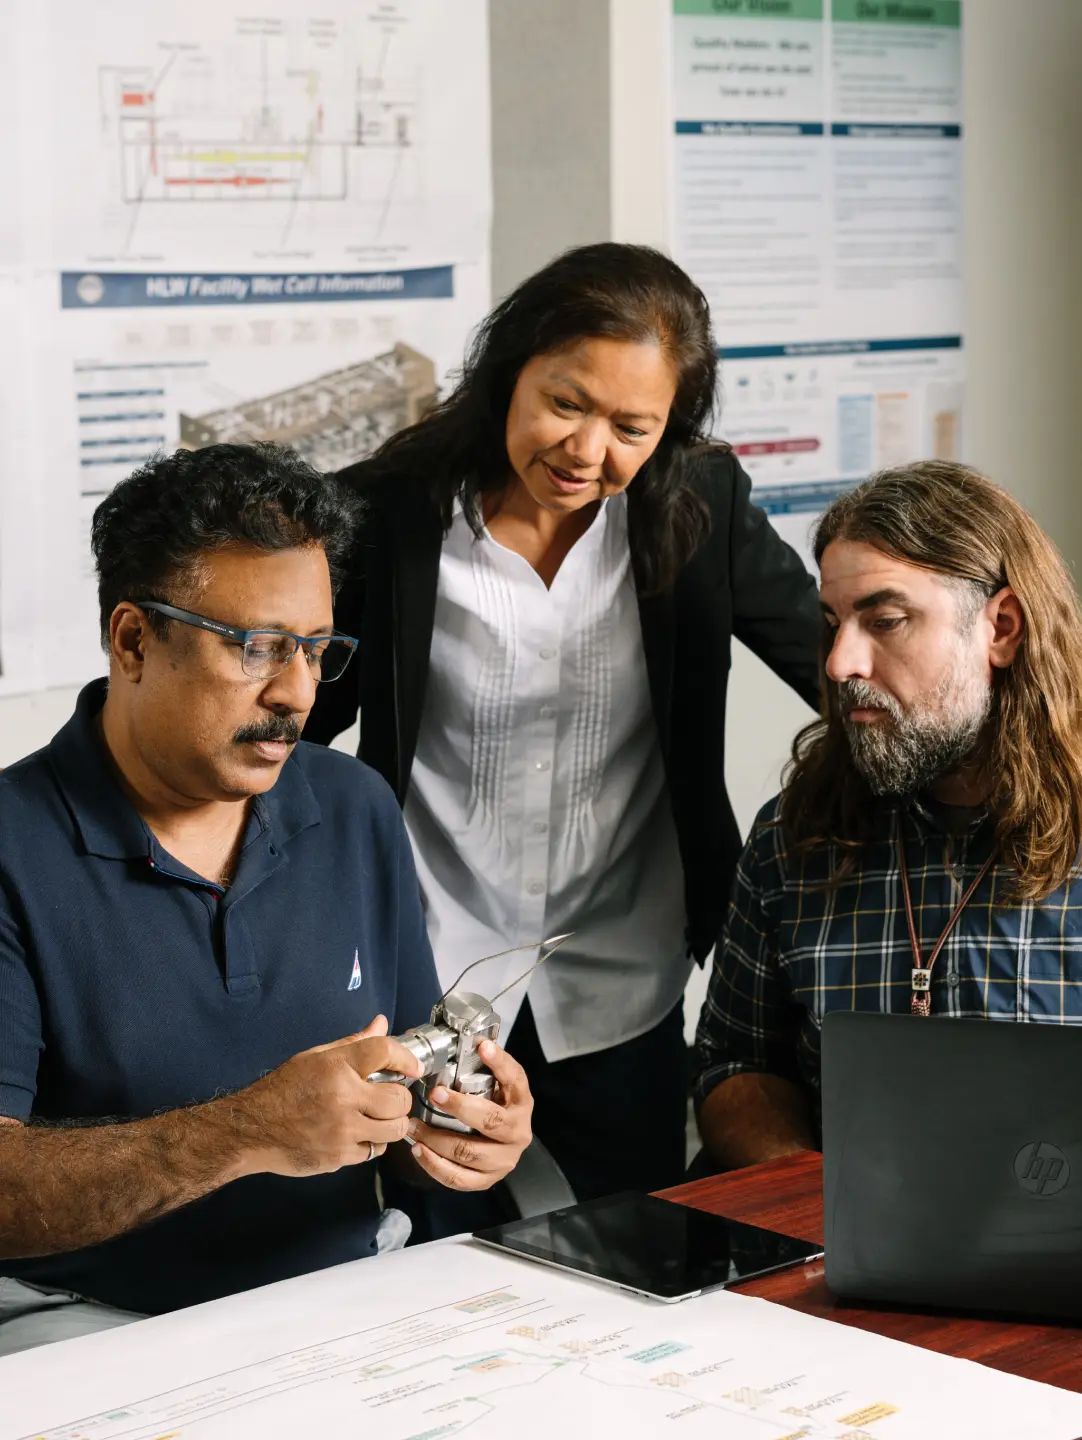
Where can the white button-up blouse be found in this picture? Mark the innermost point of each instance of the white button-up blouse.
(537, 801)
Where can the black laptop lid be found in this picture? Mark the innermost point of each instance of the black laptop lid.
(952, 1162)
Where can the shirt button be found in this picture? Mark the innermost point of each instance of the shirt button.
(953, 978)
(539, 827)
(535, 887)
(543, 765)
(547, 653)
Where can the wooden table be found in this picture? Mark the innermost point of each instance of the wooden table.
(787, 1195)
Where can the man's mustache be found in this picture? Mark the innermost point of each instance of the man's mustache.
(858, 694)
(275, 727)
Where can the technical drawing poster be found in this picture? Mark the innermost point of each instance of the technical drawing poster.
(458, 1341)
(225, 223)
(338, 136)
(817, 200)
(331, 379)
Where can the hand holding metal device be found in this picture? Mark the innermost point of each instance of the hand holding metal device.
(447, 1045)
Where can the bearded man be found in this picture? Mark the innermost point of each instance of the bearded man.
(923, 853)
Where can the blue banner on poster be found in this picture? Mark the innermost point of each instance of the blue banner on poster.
(783, 128)
(89, 290)
(840, 347)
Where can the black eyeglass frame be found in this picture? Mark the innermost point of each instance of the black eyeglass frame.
(241, 637)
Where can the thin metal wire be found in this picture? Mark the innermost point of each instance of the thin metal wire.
(553, 943)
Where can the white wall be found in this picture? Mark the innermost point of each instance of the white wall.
(28, 721)
(1023, 274)
(550, 131)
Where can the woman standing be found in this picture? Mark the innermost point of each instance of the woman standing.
(551, 570)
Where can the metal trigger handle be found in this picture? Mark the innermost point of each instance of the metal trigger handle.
(433, 1045)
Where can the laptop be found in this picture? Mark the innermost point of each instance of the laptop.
(952, 1163)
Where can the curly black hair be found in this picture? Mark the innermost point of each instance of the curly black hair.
(152, 529)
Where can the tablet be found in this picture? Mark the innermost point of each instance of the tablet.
(650, 1246)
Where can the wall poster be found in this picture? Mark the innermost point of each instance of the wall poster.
(817, 200)
(227, 224)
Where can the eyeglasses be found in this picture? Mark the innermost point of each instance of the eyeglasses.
(266, 653)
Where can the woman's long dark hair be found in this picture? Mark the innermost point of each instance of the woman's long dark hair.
(605, 291)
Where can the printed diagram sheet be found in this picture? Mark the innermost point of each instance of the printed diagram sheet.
(331, 378)
(222, 135)
(452, 1340)
(223, 223)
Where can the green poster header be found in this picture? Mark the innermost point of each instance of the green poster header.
(899, 12)
(752, 9)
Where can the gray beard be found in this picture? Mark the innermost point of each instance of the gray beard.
(909, 752)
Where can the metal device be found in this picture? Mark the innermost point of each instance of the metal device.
(447, 1045)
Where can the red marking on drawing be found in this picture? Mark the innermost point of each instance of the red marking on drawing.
(237, 181)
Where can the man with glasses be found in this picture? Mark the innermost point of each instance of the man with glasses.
(206, 930)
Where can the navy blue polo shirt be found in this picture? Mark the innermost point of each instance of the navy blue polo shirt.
(129, 985)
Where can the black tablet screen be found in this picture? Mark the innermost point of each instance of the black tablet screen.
(650, 1245)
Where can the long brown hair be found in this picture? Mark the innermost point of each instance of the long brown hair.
(952, 520)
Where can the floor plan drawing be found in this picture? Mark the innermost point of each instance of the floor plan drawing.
(447, 1341)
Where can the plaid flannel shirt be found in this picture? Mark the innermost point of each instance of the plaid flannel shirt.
(792, 948)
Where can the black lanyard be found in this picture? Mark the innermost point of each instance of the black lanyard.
(921, 1001)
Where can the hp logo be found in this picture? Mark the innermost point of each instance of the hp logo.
(1041, 1169)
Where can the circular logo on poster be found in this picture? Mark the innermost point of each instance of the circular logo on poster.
(1041, 1169)
(90, 289)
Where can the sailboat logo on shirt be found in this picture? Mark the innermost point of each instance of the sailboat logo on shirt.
(355, 977)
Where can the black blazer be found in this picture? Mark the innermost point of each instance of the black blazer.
(743, 581)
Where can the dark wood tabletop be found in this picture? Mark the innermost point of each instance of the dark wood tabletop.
(787, 1195)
